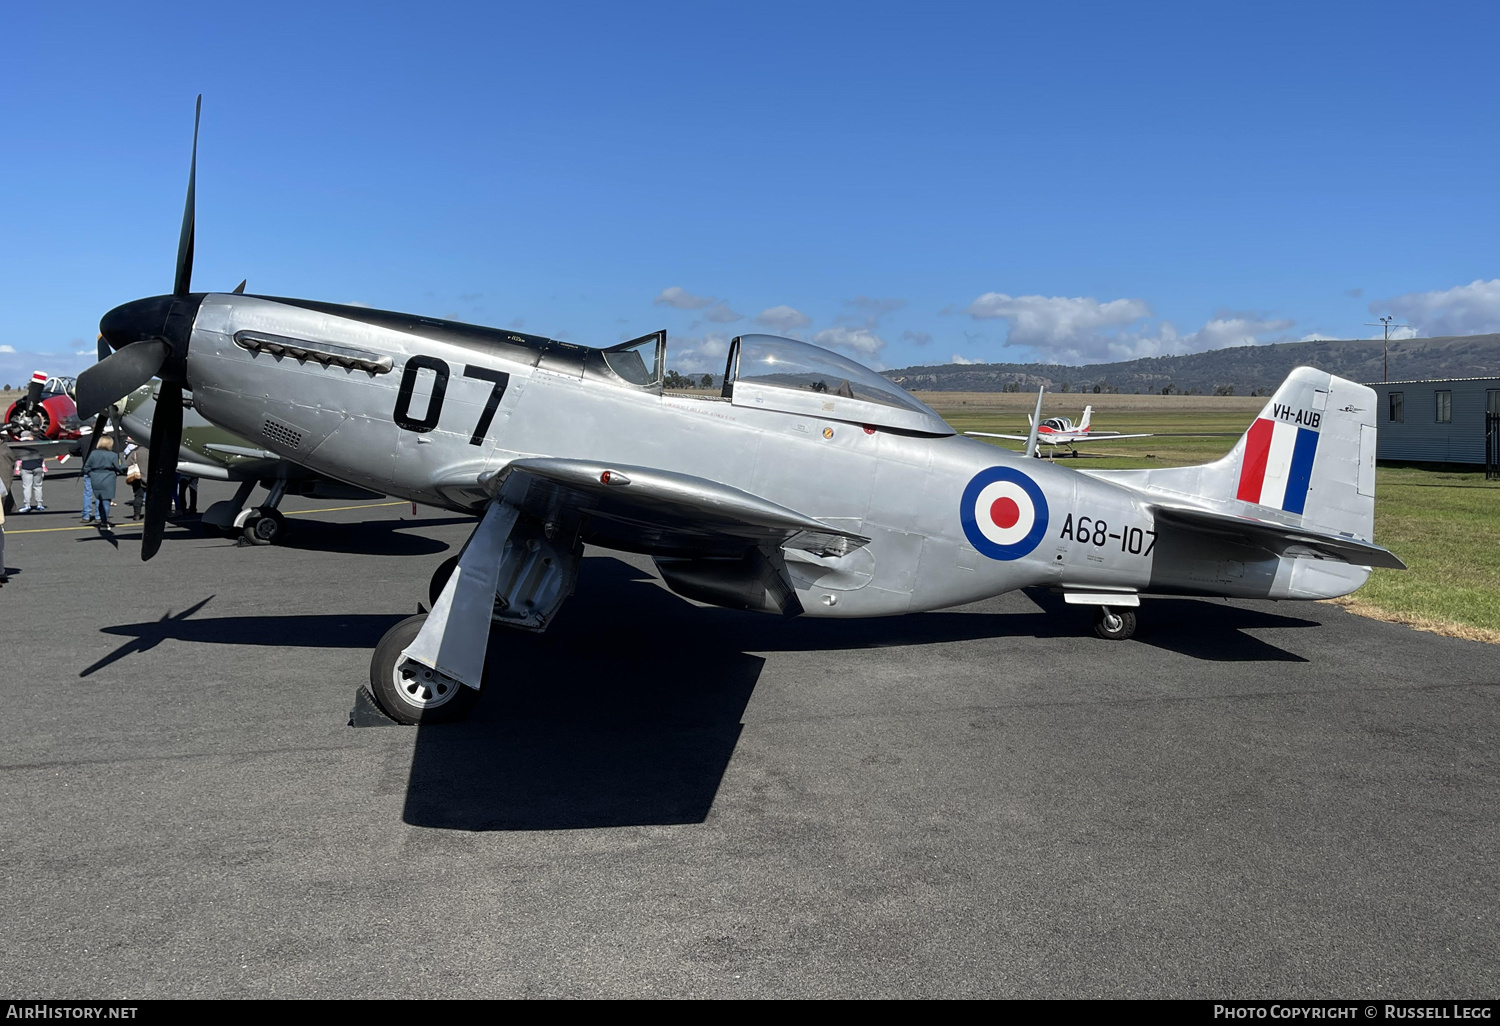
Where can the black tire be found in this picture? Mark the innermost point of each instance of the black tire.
(404, 695)
(440, 579)
(265, 527)
(1114, 624)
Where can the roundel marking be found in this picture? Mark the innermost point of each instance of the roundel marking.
(1004, 513)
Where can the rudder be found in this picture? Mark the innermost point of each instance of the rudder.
(1311, 453)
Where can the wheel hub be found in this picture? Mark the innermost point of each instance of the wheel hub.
(422, 687)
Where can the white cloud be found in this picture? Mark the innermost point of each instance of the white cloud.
(1225, 332)
(1078, 327)
(1081, 329)
(782, 318)
(700, 355)
(1470, 309)
(721, 314)
(863, 342)
(7, 349)
(916, 338)
(681, 299)
(963, 360)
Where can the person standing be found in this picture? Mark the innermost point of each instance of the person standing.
(33, 468)
(86, 510)
(187, 494)
(137, 482)
(5, 479)
(102, 467)
(7, 471)
(4, 577)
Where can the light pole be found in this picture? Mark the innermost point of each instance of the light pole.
(1386, 322)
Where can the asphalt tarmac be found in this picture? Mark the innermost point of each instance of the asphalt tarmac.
(657, 799)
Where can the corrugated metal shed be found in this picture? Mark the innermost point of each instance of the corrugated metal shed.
(1412, 428)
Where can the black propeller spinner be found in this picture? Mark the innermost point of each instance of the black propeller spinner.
(150, 339)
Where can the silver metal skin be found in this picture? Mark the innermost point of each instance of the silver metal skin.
(208, 451)
(798, 496)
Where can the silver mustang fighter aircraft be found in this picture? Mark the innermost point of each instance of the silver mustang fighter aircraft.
(812, 486)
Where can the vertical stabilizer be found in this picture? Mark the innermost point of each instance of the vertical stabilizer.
(1308, 459)
(1088, 413)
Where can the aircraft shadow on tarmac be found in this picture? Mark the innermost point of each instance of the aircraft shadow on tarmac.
(628, 710)
(331, 631)
(370, 537)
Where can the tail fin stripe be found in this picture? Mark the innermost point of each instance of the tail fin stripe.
(1257, 450)
(1301, 474)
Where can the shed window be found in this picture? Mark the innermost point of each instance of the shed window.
(1445, 407)
(1492, 400)
(1398, 407)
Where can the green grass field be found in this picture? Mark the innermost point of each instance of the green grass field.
(1442, 520)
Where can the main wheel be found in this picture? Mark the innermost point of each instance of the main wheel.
(410, 692)
(440, 579)
(265, 526)
(1114, 624)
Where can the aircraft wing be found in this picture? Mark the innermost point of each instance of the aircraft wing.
(47, 448)
(657, 511)
(1279, 537)
(1102, 438)
(987, 434)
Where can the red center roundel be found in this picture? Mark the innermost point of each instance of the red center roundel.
(1004, 512)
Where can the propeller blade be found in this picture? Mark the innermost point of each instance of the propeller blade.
(118, 375)
(98, 433)
(1036, 423)
(104, 349)
(181, 286)
(161, 471)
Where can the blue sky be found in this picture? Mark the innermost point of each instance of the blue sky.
(917, 183)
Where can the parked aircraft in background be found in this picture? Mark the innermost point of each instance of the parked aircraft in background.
(1060, 431)
(810, 486)
(210, 452)
(46, 410)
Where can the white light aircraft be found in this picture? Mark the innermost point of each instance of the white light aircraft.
(1060, 431)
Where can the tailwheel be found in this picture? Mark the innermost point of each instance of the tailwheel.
(265, 526)
(410, 692)
(1114, 624)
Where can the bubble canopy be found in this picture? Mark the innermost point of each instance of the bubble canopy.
(775, 373)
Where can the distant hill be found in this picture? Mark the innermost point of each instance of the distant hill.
(1248, 370)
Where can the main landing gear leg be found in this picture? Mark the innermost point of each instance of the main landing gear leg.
(265, 523)
(428, 668)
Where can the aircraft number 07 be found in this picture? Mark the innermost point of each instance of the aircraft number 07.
(402, 413)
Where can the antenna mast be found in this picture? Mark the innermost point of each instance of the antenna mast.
(1386, 322)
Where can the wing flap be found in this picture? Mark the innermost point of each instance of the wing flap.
(1280, 537)
(660, 509)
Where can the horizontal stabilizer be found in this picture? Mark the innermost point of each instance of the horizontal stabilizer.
(1280, 537)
